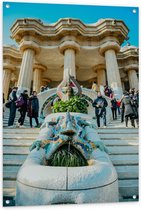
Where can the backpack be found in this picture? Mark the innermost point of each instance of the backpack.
(8, 104)
(20, 102)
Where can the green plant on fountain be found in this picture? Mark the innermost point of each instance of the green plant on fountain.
(71, 100)
(67, 155)
(75, 104)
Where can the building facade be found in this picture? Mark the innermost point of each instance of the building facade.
(47, 53)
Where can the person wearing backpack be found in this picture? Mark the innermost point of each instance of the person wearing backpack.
(21, 104)
(12, 114)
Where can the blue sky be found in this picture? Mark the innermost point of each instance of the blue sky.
(50, 13)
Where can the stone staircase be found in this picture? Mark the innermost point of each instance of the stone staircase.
(122, 144)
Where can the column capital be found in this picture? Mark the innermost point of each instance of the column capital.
(69, 45)
(9, 67)
(131, 67)
(46, 80)
(29, 45)
(39, 66)
(109, 45)
(14, 78)
(99, 67)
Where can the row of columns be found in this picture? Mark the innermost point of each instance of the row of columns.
(69, 50)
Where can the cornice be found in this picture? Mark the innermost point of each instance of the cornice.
(68, 26)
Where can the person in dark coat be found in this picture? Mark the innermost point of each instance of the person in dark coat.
(128, 110)
(100, 105)
(114, 108)
(23, 108)
(12, 114)
(33, 108)
(122, 110)
(135, 106)
(3, 104)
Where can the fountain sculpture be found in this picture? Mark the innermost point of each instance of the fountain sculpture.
(68, 163)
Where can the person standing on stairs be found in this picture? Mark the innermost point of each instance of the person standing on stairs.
(135, 107)
(21, 103)
(118, 106)
(33, 108)
(12, 114)
(114, 108)
(3, 104)
(126, 105)
(100, 105)
(122, 110)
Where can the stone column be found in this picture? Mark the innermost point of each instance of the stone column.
(109, 49)
(29, 49)
(123, 86)
(37, 77)
(7, 73)
(69, 49)
(14, 79)
(101, 76)
(132, 75)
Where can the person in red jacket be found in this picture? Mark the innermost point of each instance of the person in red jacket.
(118, 105)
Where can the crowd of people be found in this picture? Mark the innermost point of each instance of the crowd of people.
(127, 107)
(25, 104)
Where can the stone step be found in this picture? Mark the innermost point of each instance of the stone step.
(15, 150)
(127, 172)
(118, 142)
(111, 150)
(9, 184)
(20, 135)
(21, 130)
(129, 188)
(124, 159)
(10, 173)
(9, 191)
(118, 131)
(116, 159)
(13, 159)
(118, 136)
(12, 133)
(28, 142)
(16, 118)
(122, 150)
(15, 142)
